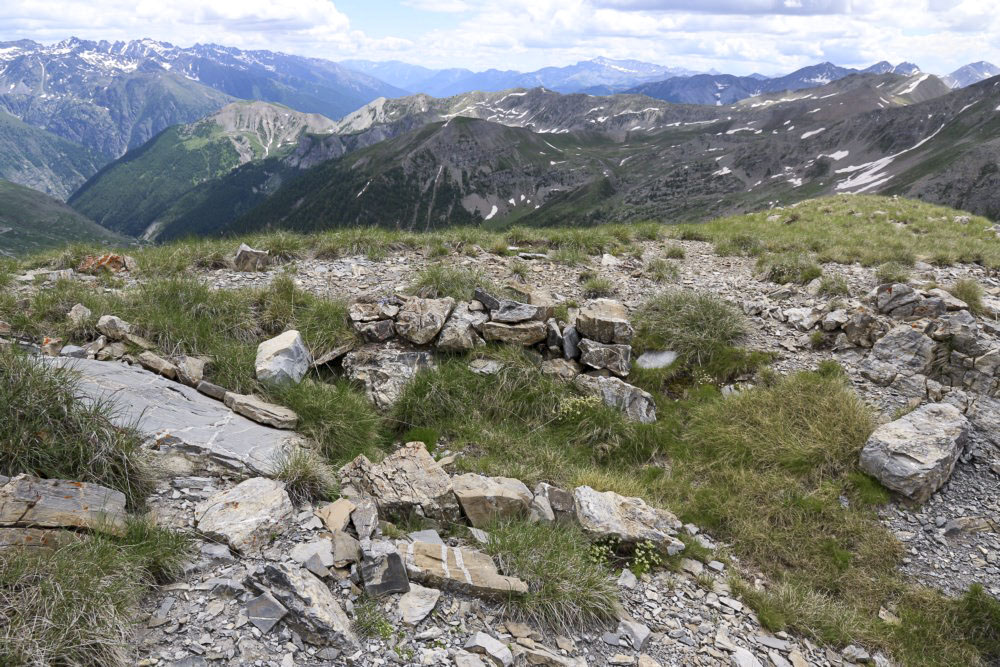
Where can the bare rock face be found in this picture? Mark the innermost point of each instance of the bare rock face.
(630, 520)
(638, 405)
(606, 321)
(313, 610)
(463, 570)
(409, 479)
(461, 331)
(261, 411)
(613, 357)
(904, 350)
(486, 498)
(249, 259)
(246, 515)
(420, 320)
(30, 502)
(282, 359)
(385, 371)
(916, 454)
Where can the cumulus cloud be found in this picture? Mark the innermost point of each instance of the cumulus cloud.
(738, 36)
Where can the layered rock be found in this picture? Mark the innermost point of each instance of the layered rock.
(630, 520)
(636, 404)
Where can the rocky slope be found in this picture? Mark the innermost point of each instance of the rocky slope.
(144, 192)
(41, 160)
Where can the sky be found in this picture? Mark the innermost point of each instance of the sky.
(733, 36)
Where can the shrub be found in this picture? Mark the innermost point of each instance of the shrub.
(520, 269)
(788, 268)
(567, 589)
(307, 477)
(697, 326)
(742, 245)
(969, 291)
(47, 432)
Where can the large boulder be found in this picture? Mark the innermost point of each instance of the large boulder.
(896, 299)
(246, 515)
(616, 358)
(461, 331)
(420, 320)
(636, 404)
(606, 321)
(385, 370)
(30, 502)
(283, 359)
(407, 480)
(115, 328)
(916, 454)
(630, 520)
(462, 570)
(486, 498)
(314, 612)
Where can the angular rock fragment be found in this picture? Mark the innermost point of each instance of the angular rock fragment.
(484, 499)
(561, 369)
(249, 259)
(78, 314)
(260, 410)
(417, 603)
(630, 520)
(113, 327)
(462, 570)
(283, 359)
(336, 515)
(385, 371)
(496, 652)
(524, 333)
(615, 358)
(314, 612)
(605, 321)
(247, 515)
(561, 501)
(30, 502)
(420, 320)
(916, 454)
(407, 480)
(265, 612)
(461, 331)
(382, 569)
(636, 404)
(157, 364)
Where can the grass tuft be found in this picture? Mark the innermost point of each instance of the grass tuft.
(307, 477)
(969, 291)
(788, 268)
(697, 326)
(440, 280)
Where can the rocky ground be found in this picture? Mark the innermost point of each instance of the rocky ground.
(891, 342)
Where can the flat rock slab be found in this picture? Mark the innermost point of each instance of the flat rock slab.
(179, 416)
(463, 570)
(30, 502)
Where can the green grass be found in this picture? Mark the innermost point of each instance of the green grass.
(969, 291)
(567, 590)
(307, 476)
(845, 230)
(48, 433)
(661, 271)
(370, 621)
(440, 280)
(674, 252)
(597, 286)
(892, 272)
(699, 327)
(788, 268)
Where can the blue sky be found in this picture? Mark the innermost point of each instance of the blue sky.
(737, 36)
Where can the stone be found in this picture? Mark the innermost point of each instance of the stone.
(835, 319)
(371, 309)
(378, 331)
(462, 570)
(179, 418)
(346, 549)
(895, 297)
(78, 314)
(283, 359)
(260, 411)
(960, 331)
(497, 652)
(157, 364)
(429, 535)
(73, 351)
(605, 321)
(52, 347)
(30, 502)
(113, 327)
(212, 390)
(916, 454)
(190, 370)
(561, 369)
(314, 612)
(636, 633)
(382, 569)
(540, 510)
(616, 358)
(466, 659)
(903, 350)
(636, 404)
(246, 516)
(265, 612)
(461, 332)
(571, 343)
(862, 329)
(385, 371)
(485, 366)
(743, 658)
(416, 604)
(407, 480)
(420, 320)
(630, 520)
(524, 333)
(805, 319)
(111, 262)
(553, 336)
(660, 359)
(561, 501)
(486, 498)
(336, 515)
(365, 518)
(35, 538)
(249, 259)
(321, 548)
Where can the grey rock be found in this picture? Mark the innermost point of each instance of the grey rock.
(461, 331)
(605, 321)
(261, 411)
(524, 333)
(30, 502)
(78, 314)
(385, 371)
(630, 520)
(113, 327)
(157, 364)
(416, 604)
(486, 498)
(249, 259)
(561, 501)
(212, 390)
(636, 633)
(636, 404)
(314, 612)
(179, 418)
(464, 570)
(247, 515)
(571, 343)
(283, 359)
(616, 358)
(429, 536)
(73, 351)
(561, 369)
(382, 569)
(346, 549)
(916, 454)
(378, 331)
(743, 658)
(497, 652)
(420, 320)
(265, 612)
(895, 297)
